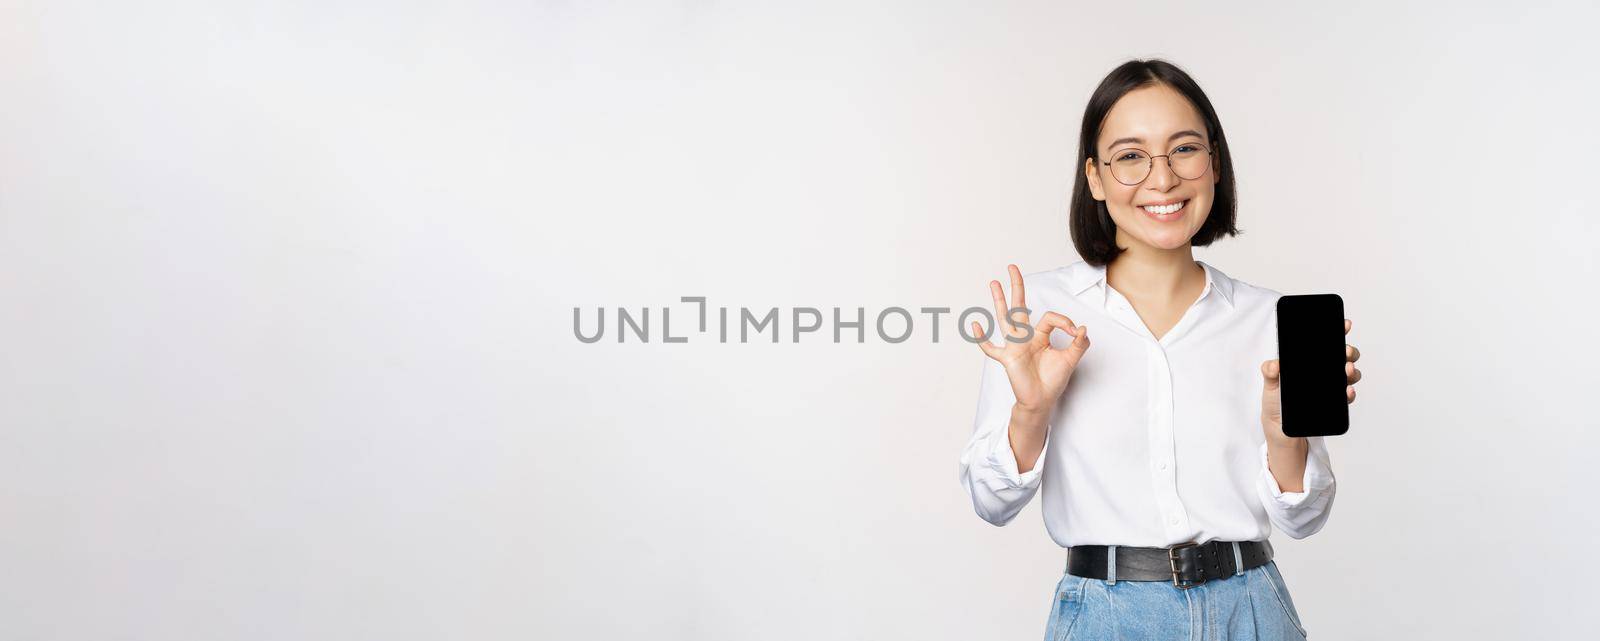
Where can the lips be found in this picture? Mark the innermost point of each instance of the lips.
(1165, 212)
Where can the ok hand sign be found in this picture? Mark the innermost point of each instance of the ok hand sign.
(1038, 373)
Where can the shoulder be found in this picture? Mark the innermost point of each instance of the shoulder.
(1066, 279)
(1246, 295)
(1255, 294)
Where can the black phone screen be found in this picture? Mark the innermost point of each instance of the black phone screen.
(1311, 358)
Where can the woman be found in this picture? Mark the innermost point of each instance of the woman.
(1162, 469)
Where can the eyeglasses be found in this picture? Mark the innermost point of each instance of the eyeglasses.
(1187, 161)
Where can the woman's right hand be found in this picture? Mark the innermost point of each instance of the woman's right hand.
(1038, 373)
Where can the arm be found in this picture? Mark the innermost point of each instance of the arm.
(1022, 379)
(1000, 467)
(1302, 467)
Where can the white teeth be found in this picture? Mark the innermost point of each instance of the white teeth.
(1165, 209)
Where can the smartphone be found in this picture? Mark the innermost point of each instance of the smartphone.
(1311, 358)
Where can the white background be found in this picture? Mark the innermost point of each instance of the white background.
(287, 294)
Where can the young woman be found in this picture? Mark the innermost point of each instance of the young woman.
(1160, 450)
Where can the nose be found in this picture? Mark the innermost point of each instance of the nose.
(1161, 176)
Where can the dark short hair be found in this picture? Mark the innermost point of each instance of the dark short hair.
(1093, 232)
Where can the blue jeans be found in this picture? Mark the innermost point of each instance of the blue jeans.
(1254, 605)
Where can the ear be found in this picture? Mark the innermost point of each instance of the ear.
(1095, 188)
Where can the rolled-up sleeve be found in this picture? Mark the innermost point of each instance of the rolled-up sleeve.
(1300, 514)
(988, 464)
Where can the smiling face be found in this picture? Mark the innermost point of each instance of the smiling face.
(1164, 210)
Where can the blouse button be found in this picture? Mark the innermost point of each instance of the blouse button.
(1163, 466)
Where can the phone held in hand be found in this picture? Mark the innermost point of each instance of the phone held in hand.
(1311, 360)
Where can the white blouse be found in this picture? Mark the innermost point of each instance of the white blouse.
(1153, 443)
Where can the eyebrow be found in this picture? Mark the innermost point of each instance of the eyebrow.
(1186, 132)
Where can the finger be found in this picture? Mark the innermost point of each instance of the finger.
(1270, 370)
(1002, 322)
(1047, 324)
(1350, 392)
(1347, 326)
(1351, 373)
(983, 341)
(1053, 321)
(1018, 297)
(1351, 353)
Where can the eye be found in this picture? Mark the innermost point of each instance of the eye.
(1130, 155)
(1187, 149)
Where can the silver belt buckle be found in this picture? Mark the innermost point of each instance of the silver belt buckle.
(1172, 561)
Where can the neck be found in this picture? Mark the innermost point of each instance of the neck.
(1151, 273)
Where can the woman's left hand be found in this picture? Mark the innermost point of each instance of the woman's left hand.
(1271, 400)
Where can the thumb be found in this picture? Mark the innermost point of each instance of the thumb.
(1270, 372)
(1080, 340)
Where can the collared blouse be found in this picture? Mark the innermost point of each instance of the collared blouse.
(1154, 442)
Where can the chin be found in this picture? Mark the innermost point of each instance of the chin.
(1170, 243)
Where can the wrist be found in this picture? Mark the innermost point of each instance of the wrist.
(1286, 443)
(1029, 417)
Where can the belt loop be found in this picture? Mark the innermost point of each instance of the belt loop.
(1111, 564)
(1238, 560)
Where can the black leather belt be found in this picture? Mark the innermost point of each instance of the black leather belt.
(1186, 564)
